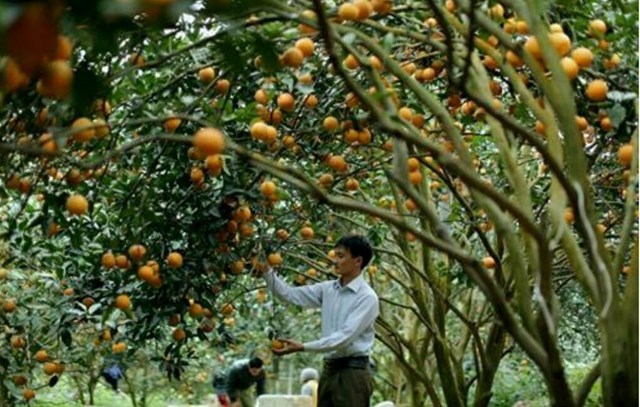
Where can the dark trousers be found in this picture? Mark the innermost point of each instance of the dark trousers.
(345, 386)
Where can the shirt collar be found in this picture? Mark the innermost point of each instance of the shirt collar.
(354, 285)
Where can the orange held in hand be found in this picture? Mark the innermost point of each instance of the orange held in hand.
(277, 344)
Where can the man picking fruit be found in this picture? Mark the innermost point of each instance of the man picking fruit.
(349, 310)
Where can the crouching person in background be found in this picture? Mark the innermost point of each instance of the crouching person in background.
(240, 380)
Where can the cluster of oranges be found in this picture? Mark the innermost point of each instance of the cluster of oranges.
(52, 68)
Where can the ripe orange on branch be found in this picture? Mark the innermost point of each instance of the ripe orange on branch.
(365, 9)
(307, 232)
(77, 204)
(137, 252)
(123, 302)
(64, 48)
(570, 67)
(174, 260)
(9, 305)
(561, 42)
(17, 341)
(286, 102)
(209, 141)
(415, 177)
(174, 319)
(195, 310)
(311, 101)
(243, 214)
(101, 128)
(214, 164)
(489, 262)
(14, 78)
(41, 356)
(56, 80)
(348, 12)
(19, 380)
(352, 184)
(50, 368)
(222, 86)
(274, 259)
(171, 124)
(625, 154)
(583, 56)
(207, 74)
(237, 267)
(28, 394)
(136, 59)
(179, 335)
(261, 96)
(338, 163)
(268, 188)
(568, 215)
(364, 137)
(597, 27)
(382, 6)
(32, 36)
(259, 130)
(330, 124)
(282, 234)
(227, 309)
(122, 261)
(413, 163)
(196, 175)
(119, 347)
(613, 62)
(145, 273)
(597, 90)
(306, 46)
(83, 129)
(293, 57)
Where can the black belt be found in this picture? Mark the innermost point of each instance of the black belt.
(351, 362)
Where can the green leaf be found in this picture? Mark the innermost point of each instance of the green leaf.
(349, 38)
(53, 381)
(65, 336)
(87, 86)
(8, 13)
(617, 114)
(268, 53)
(388, 41)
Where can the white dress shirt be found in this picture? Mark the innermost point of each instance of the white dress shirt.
(348, 313)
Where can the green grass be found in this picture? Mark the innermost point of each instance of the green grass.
(65, 396)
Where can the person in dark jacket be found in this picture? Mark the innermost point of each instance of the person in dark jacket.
(241, 378)
(112, 374)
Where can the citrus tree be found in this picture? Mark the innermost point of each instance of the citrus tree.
(158, 155)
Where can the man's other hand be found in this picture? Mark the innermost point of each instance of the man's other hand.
(290, 346)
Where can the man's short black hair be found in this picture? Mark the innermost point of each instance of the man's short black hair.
(255, 362)
(357, 246)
